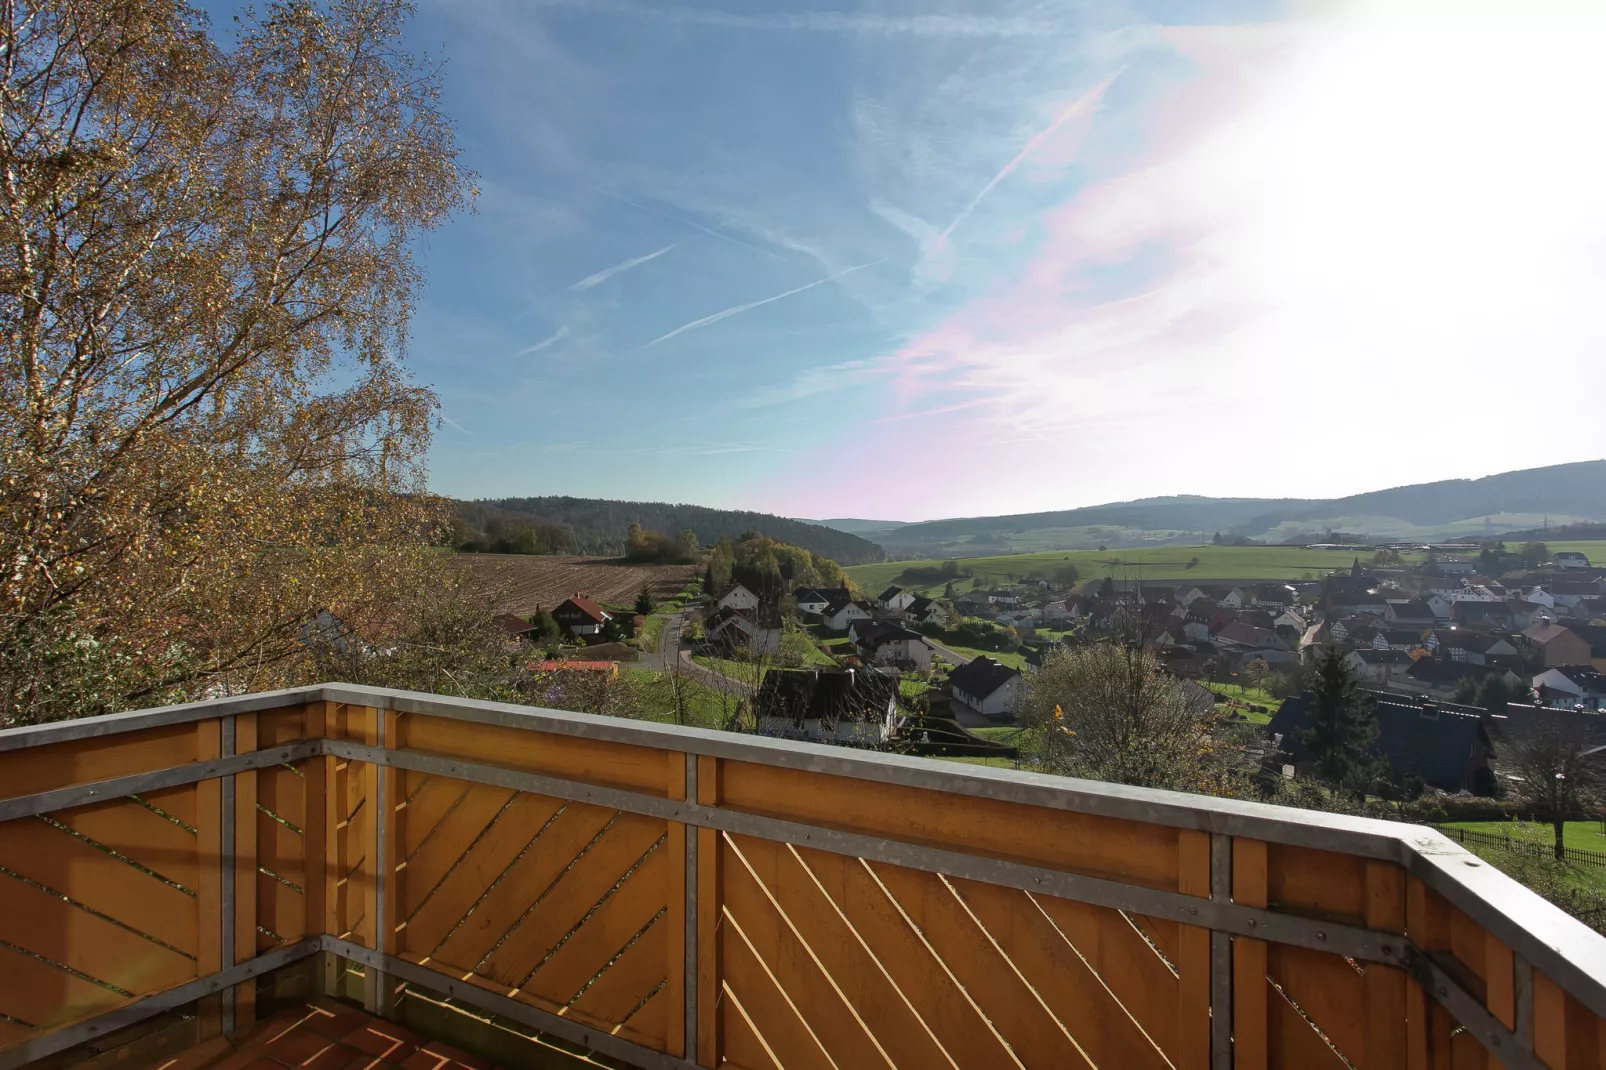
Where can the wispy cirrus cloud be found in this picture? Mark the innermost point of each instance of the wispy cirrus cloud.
(736, 310)
(833, 22)
(550, 340)
(618, 269)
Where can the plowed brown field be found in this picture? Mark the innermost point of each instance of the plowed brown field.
(522, 583)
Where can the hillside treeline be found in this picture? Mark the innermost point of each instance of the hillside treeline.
(595, 526)
(768, 567)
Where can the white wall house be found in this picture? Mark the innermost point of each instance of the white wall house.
(738, 598)
(895, 599)
(987, 687)
(838, 617)
(810, 601)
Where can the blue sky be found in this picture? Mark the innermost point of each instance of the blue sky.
(910, 260)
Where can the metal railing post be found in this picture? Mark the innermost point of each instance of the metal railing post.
(1220, 957)
(689, 987)
(227, 865)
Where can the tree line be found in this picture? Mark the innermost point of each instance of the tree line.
(597, 526)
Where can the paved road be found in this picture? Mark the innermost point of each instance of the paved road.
(716, 680)
(668, 643)
(953, 657)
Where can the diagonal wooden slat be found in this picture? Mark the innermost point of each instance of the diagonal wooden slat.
(906, 1039)
(791, 963)
(772, 1015)
(1125, 962)
(176, 802)
(1037, 1037)
(280, 909)
(45, 996)
(1163, 932)
(39, 922)
(68, 865)
(507, 902)
(432, 801)
(281, 850)
(284, 793)
(633, 978)
(1328, 989)
(743, 1047)
(1293, 1044)
(135, 832)
(1073, 992)
(508, 834)
(458, 830)
(964, 1034)
(578, 890)
(14, 1033)
(629, 909)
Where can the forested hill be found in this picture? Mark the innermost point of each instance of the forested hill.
(561, 525)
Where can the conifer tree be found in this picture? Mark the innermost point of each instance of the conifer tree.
(1341, 728)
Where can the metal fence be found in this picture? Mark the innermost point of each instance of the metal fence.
(1576, 855)
(682, 898)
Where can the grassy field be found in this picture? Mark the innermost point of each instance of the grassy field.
(1161, 563)
(1595, 551)
(1585, 835)
(1014, 661)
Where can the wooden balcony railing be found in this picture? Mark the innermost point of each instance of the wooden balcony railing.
(675, 898)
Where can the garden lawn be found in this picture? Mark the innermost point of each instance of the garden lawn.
(1584, 835)
(1015, 660)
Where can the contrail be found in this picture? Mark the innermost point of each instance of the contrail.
(739, 309)
(692, 223)
(1080, 106)
(543, 343)
(607, 273)
(448, 421)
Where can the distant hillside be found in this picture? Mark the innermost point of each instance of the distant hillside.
(562, 525)
(868, 529)
(1566, 494)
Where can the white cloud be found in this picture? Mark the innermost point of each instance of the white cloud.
(851, 22)
(736, 310)
(1350, 218)
(550, 340)
(607, 273)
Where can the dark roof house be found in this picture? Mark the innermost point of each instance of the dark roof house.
(831, 697)
(981, 677)
(1446, 746)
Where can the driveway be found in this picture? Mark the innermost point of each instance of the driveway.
(953, 658)
(668, 644)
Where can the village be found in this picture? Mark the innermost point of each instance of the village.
(1447, 652)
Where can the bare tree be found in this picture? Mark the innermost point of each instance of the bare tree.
(1560, 765)
(205, 286)
(1110, 712)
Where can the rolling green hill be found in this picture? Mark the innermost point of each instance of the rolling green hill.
(563, 525)
(1560, 494)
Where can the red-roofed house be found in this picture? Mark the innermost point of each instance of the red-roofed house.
(581, 616)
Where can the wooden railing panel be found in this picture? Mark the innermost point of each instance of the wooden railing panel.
(80, 761)
(570, 906)
(590, 761)
(1131, 851)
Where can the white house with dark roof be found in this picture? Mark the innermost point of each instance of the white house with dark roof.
(895, 599)
(987, 687)
(839, 614)
(809, 601)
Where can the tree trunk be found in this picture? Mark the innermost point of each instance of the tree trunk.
(1561, 850)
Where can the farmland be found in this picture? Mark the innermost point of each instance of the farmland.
(1147, 563)
(520, 583)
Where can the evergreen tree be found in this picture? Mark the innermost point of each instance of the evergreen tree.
(644, 602)
(948, 590)
(1342, 727)
(708, 580)
(1107, 589)
(1494, 695)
